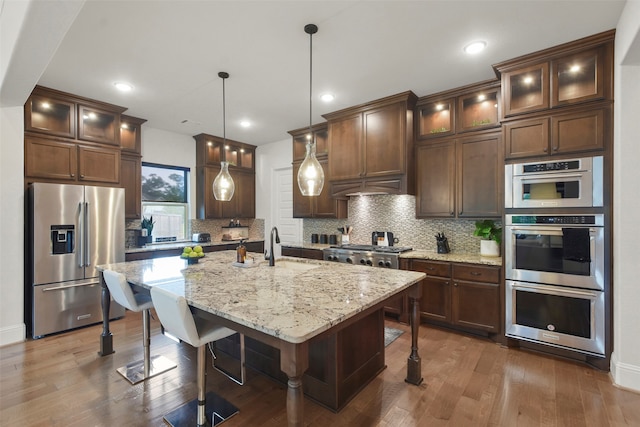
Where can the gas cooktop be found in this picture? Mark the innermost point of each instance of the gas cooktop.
(374, 248)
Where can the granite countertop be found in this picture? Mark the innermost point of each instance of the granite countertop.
(469, 258)
(178, 245)
(464, 257)
(294, 301)
(303, 245)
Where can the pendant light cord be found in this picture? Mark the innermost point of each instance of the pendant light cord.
(310, 79)
(224, 76)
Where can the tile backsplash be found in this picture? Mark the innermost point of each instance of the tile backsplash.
(397, 214)
(211, 226)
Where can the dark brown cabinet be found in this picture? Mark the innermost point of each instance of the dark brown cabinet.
(210, 151)
(566, 75)
(302, 252)
(465, 109)
(131, 181)
(460, 177)
(50, 112)
(573, 132)
(242, 204)
(131, 134)
(370, 147)
(324, 205)
(48, 159)
(463, 295)
(96, 124)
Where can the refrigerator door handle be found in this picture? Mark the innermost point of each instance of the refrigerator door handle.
(81, 239)
(77, 285)
(87, 251)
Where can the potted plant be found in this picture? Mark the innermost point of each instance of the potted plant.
(147, 228)
(491, 236)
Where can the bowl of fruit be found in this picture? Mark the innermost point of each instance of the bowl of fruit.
(192, 254)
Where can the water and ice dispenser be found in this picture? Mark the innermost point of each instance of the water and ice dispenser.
(62, 239)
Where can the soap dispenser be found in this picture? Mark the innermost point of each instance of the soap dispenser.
(241, 252)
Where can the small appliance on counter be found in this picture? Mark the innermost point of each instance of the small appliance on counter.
(201, 237)
(383, 238)
(442, 243)
(235, 233)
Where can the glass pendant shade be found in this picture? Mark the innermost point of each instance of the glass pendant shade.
(310, 174)
(223, 186)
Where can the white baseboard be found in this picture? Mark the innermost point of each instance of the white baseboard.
(625, 375)
(13, 334)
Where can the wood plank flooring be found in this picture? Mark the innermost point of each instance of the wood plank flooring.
(61, 381)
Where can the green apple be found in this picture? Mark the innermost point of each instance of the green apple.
(193, 255)
(198, 249)
(187, 250)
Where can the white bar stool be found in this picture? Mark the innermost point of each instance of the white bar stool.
(177, 319)
(122, 293)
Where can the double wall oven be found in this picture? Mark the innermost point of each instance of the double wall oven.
(555, 262)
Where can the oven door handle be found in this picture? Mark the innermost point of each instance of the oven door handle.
(555, 291)
(525, 179)
(554, 231)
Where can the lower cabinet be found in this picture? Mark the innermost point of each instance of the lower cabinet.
(466, 296)
(302, 252)
(257, 247)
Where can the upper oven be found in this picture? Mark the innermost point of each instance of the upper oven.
(566, 250)
(555, 184)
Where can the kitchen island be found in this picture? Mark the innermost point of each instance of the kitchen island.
(286, 307)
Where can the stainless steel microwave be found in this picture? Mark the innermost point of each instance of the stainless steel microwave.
(555, 184)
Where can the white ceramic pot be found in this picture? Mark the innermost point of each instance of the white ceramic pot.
(489, 248)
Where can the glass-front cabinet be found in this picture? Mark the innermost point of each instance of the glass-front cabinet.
(211, 150)
(578, 77)
(49, 114)
(526, 89)
(98, 125)
(436, 118)
(478, 110)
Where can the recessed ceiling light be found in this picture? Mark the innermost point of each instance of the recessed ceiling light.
(327, 97)
(245, 123)
(475, 47)
(123, 87)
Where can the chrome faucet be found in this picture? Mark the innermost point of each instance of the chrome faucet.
(271, 257)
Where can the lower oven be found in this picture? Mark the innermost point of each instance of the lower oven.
(566, 250)
(559, 316)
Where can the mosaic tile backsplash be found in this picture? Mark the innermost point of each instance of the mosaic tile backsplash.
(397, 214)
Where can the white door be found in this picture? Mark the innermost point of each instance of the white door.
(289, 228)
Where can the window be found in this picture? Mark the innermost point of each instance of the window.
(164, 197)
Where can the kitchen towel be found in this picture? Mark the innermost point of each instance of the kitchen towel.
(576, 244)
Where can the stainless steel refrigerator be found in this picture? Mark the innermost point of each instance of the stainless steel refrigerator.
(73, 228)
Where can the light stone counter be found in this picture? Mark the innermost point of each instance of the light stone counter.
(452, 257)
(293, 301)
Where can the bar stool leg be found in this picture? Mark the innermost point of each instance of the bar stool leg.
(201, 381)
(148, 367)
(146, 341)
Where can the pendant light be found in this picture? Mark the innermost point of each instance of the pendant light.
(223, 186)
(310, 174)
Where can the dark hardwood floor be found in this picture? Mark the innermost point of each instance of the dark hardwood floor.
(61, 381)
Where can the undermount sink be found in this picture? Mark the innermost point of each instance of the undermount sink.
(295, 266)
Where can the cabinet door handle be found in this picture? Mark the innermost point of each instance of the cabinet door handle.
(430, 268)
(73, 175)
(460, 213)
(555, 148)
(452, 213)
(545, 149)
(81, 176)
(455, 284)
(475, 273)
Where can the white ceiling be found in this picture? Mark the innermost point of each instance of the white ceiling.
(172, 51)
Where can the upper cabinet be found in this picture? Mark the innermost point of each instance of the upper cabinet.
(469, 108)
(324, 205)
(371, 147)
(319, 135)
(211, 150)
(96, 124)
(131, 134)
(51, 113)
(559, 101)
(573, 73)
